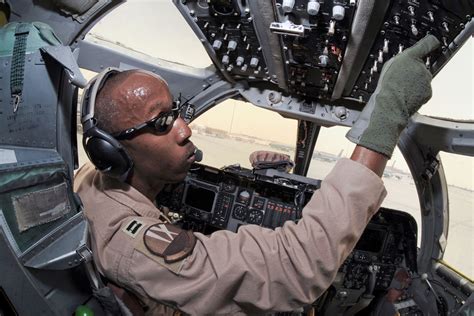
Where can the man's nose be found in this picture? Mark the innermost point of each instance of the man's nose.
(182, 129)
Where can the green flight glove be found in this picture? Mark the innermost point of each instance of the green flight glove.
(404, 86)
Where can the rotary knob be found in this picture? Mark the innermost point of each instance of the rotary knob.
(338, 12)
(313, 7)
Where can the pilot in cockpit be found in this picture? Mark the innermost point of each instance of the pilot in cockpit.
(138, 143)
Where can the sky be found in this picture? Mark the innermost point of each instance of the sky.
(156, 28)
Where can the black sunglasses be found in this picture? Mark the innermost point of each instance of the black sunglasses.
(162, 123)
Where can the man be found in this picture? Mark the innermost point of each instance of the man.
(255, 270)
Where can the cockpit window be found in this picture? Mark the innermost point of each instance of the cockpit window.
(145, 27)
(229, 132)
(401, 191)
(459, 171)
(452, 87)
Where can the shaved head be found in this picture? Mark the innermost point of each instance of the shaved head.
(122, 95)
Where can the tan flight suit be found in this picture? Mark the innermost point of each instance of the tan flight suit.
(249, 272)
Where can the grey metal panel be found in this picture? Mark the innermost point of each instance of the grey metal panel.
(433, 195)
(34, 123)
(181, 78)
(46, 11)
(270, 43)
(17, 284)
(439, 134)
(296, 108)
(367, 21)
(57, 250)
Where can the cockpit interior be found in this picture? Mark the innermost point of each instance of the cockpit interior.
(286, 75)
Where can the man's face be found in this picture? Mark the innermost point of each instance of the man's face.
(158, 158)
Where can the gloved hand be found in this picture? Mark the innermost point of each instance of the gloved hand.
(404, 86)
(263, 159)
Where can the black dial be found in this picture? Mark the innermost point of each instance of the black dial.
(255, 217)
(240, 212)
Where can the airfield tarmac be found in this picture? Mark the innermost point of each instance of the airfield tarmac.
(219, 152)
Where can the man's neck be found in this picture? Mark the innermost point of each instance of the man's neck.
(150, 190)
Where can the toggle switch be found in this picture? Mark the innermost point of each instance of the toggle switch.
(445, 26)
(332, 27)
(396, 19)
(430, 16)
(385, 46)
(375, 68)
(380, 58)
(414, 30)
(323, 60)
(428, 62)
(411, 9)
(400, 48)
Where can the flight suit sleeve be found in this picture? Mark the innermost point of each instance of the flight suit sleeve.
(259, 269)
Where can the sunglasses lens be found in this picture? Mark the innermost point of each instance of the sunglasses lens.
(163, 123)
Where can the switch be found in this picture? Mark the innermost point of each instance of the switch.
(332, 27)
(385, 46)
(244, 68)
(239, 61)
(396, 19)
(445, 41)
(430, 16)
(445, 26)
(380, 59)
(205, 25)
(313, 7)
(225, 59)
(414, 30)
(217, 45)
(400, 48)
(338, 12)
(375, 68)
(428, 62)
(232, 45)
(254, 62)
(288, 5)
(326, 87)
(352, 3)
(411, 9)
(323, 60)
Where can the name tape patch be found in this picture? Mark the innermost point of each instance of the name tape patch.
(169, 242)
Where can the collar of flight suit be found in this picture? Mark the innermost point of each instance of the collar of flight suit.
(126, 195)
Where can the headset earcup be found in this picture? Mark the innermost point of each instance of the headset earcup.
(107, 154)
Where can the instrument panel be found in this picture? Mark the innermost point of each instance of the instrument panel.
(211, 199)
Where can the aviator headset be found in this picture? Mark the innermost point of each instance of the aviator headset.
(106, 153)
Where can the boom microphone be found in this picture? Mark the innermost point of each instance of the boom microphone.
(197, 155)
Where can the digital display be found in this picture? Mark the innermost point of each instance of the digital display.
(200, 198)
(371, 240)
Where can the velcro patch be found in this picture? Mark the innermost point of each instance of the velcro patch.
(169, 242)
(133, 228)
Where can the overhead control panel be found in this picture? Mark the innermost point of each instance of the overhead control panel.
(314, 38)
(226, 28)
(406, 22)
(322, 50)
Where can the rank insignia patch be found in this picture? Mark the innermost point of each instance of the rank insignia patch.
(133, 228)
(169, 242)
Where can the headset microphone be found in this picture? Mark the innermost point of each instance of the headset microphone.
(197, 155)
